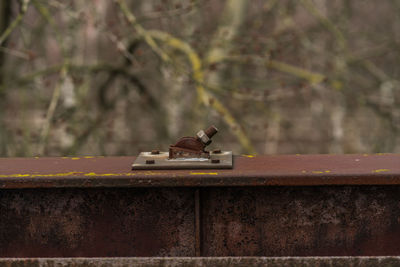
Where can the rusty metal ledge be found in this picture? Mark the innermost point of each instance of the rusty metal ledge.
(285, 170)
(201, 261)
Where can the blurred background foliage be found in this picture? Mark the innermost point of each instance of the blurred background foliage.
(275, 76)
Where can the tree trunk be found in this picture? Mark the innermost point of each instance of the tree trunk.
(5, 10)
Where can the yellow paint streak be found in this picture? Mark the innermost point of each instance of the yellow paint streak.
(89, 157)
(380, 170)
(13, 175)
(108, 174)
(73, 158)
(39, 175)
(62, 174)
(204, 173)
(320, 172)
(54, 174)
(249, 156)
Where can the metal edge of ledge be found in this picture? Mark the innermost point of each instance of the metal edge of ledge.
(280, 170)
(203, 261)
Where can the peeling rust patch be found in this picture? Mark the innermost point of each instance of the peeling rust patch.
(226, 221)
(96, 222)
(301, 221)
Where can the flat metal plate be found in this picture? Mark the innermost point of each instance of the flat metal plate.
(161, 161)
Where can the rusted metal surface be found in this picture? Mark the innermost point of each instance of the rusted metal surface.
(197, 213)
(285, 170)
(301, 221)
(315, 205)
(189, 147)
(223, 221)
(105, 222)
(217, 261)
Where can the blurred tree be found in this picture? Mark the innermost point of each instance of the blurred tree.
(5, 11)
(114, 78)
